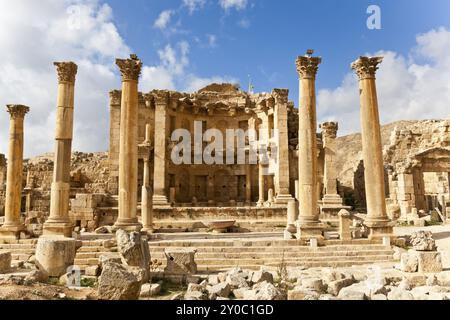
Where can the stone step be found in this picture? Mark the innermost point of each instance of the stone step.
(257, 243)
(253, 255)
(17, 246)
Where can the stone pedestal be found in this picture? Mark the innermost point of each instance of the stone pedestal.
(377, 219)
(13, 225)
(345, 222)
(58, 222)
(292, 216)
(54, 254)
(128, 149)
(308, 225)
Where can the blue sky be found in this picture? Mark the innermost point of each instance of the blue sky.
(276, 32)
(222, 40)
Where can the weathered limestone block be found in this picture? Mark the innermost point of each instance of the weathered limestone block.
(55, 254)
(5, 262)
(180, 261)
(222, 290)
(409, 262)
(314, 284)
(261, 276)
(398, 294)
(117, 282)
(357, 291)
(443, 278)
(110, 257)
(423, 241)
(150, 290)
(344, 225)
(334, 287)
(263, 291)
(300, 293)
(429, 261)
(133, 250)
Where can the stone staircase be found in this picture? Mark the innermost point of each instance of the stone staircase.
(216, 255)
(20, 250)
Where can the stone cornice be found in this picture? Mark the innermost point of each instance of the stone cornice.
(66, 71)
(307, 66)
(366, 67)
(130, 69)
(17, 111)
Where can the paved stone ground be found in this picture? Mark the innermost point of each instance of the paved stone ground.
(440, 233)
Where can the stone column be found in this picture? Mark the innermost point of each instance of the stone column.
(13, 226)
(248, 184)
(309, 225)
(329, 133)
(147, 201)
(115, 97)
(377, 219)
(261, 185)
(58, 222)
(130, 70)
(282, 191)
(159, 176)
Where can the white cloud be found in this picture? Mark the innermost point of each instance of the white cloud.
(236, 4)
(244, 23)
(163, 19)
(407, 89)
(194, 5)
(212, 40)
(34, 35)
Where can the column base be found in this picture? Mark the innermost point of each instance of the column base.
(11, 232)
(129, 225)
(283, 198)
(260, 204)
(332, 200)
(290, 232)
(307, 230)
(160, 201)
(148, 230)
(62, 228)
(380, 228)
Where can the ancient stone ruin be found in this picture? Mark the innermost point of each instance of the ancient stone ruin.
(281, 199)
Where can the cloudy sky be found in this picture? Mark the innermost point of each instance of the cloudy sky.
(186, 44)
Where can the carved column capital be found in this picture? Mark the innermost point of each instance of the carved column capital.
(366, 67)
(17, 111)
(115, 97)
(281, 95)
(66, 71)
(308, 65)
(329, 129)
(130, 69)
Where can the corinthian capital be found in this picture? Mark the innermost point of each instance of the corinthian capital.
(308, 65)
(281, 95)
(366, 67)
(66, 71)
(130, 68)
(17, 111)
(329, 129)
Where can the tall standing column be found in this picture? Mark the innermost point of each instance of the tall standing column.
(130, 70)
(309, 225)
(282, 189)
(377, 219)
(159, 176)
(147, 203)
(58, 222)
(13, 225)
(329, 133)
(248, 184)
(261, 184)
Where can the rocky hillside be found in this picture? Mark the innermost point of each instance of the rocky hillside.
(349, 149)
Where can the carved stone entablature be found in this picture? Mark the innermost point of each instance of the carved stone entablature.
(161, 97)
(307, 65)
(17, 111)
(281, 95)
(130, 68)
(115, 97)
(366, 67)
(66, 71)
(329, 129)
(149, 100)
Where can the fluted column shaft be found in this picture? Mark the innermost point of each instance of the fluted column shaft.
(377, 219)
(147, 203)
(13, 225)
(309, 224)
(128, 147)
(58, 222)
